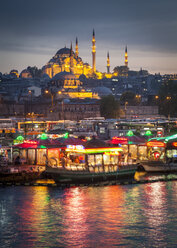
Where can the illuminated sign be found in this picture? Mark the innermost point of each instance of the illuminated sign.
(155, 144)
(75, 147)
(30, 142)
(119, 140)
(112, 153)
(174, 144)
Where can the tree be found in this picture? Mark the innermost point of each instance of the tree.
(34, 71)
(128, 97)
(121, 70)
(109, 107)
(168, 98)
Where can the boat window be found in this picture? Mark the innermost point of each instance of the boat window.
(114, 159)
(132, 152)
(125, 148)
(41, 156)
(23, 156)
(172, 153)
(53, 156)
(31, 156)
(98, 159)
(106, 159)
(142, 152)
(75, 158)
(91, 160)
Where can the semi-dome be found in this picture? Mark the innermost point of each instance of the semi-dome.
(64, 75)
(102, 91)
(64, 50)
(45, 76)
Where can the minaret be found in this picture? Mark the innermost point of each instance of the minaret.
(108, 63)
(71, 59)
(126, 57)
(93, 53)
(77, 49)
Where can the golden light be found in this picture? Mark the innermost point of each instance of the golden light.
(168, 97)
(59, 92)
(155, 144)
(156, 97)
(46, 91)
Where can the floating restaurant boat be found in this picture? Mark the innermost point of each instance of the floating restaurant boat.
(94, 161)
(162, 155)
(26, 161)
(134, 147)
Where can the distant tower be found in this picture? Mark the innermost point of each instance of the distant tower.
(77, 49)
(71, 58)
(126, 57)
(93, 53)
(108, 63)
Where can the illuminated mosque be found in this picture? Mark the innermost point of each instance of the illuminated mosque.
(66, 60)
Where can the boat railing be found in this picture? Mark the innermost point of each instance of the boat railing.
(76, 166)
(93, 168)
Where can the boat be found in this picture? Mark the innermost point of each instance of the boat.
(161, 155)
(26, 161)
(92, 162)
(159, 166)
(19, 174)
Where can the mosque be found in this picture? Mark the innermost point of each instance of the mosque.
(66, 60)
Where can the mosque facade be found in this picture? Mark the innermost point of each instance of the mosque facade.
(66, 60)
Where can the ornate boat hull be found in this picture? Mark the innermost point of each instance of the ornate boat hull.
(158, 166)
(61, 175)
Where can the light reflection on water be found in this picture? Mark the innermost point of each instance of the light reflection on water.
(128, 216)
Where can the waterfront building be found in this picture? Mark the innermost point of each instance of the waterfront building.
(75, 109)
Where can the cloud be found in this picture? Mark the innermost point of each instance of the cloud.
(44, 26)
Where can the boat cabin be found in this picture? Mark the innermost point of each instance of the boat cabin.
(163, 149)
(95, 159)
(134, 148)
(30, 152)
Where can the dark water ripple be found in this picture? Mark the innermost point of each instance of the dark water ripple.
(113, 216)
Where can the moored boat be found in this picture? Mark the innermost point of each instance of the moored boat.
(162, 155)
(95, 161)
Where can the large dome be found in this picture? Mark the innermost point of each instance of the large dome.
(64, 50)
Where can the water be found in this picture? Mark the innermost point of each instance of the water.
(111, 216)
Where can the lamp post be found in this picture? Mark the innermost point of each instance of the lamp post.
(125, 108)
(138, 97)
(168, 98)
(30, 93)
(52, 95)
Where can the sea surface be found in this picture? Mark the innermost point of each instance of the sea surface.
(140, 215)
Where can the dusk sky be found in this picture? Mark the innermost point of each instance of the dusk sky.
(32, 32)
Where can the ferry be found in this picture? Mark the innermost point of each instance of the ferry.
(161, 155)
(94, 161)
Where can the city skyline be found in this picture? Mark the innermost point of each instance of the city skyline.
(32, 33)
